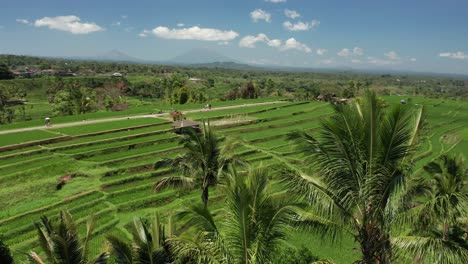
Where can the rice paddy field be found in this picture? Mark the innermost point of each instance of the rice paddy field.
(113, 166)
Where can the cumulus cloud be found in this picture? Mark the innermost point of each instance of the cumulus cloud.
(454, 55)
(392, 55)
(296, 45)
(259, 14)
(70, 24)
(276, 1)
(356, 51)
(290, 44)
(180, 24)
(380, 62)
(300, 26)
(321, 52)
(250, 41)
(293, 14)
(23, 21)
(193, 33)
(145, 33)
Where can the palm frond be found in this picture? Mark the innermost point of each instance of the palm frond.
(432, 250)
(34, 258)
(120, 250)
(102, 258)
(90, 225)
(175, 182)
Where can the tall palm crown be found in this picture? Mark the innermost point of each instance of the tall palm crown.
(359, 173)
(201, 165)
(62, 243)
(439, 220)
(449, 199)
(248, 229)
(148, 245)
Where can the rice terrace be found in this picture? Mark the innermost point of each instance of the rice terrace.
(267, 131)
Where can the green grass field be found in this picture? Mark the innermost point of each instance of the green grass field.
(115, 177)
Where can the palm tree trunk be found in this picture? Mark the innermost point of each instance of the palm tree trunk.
(205, 196)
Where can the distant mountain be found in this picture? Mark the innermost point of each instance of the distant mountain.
(226, 65)
(200, 56)
(115, 55)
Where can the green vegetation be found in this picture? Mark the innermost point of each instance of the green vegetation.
(107, 169)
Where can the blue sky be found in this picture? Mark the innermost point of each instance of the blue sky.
(417, 35)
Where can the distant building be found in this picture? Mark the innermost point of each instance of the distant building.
(195, 80)
(182, 125)
(116, 74)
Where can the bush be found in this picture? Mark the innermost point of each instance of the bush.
(295, 256)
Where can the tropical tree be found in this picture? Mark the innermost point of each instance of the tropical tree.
(206, 157)
(62, 244)
(249, 228)
(439, 236)
(148, 245)
(358, 173)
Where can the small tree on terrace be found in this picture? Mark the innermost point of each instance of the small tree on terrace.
(207, 156)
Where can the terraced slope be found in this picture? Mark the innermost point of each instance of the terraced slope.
(113, 172)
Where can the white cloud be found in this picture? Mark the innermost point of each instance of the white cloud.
(68, 23)
(145, 33)
(276, 1)
(294, 44)
(250, 41)
(355, 61)
(274, 43)
(23, 21)
(124, 16)
(259, 14)
(392, 55)
(300, 26)
(380, 62)
(413, 59)
(326, 61)
(290, 44)
(293, 14)
(117, 23)
(180, 24)
(194, 33)
(321, 52)
(455, 55)
(349, 53)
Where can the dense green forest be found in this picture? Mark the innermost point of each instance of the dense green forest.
(75, 87)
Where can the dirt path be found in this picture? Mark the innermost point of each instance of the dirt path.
(102, 120)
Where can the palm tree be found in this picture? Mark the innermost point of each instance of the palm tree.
(62, 244)
(248, 229)
(148, 244)
(438, 220)
(358, 172)
(202, 165)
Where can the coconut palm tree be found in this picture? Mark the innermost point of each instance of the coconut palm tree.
(248, 228)
(358, 172)
(201, 166)
(148, 244)
(62, 244)
(438, 237)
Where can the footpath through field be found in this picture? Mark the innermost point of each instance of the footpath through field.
(162, 115)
